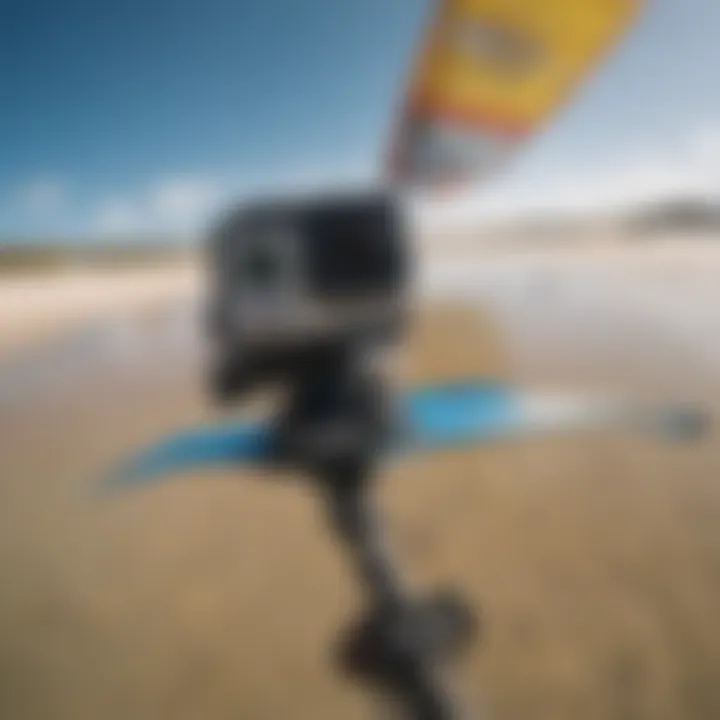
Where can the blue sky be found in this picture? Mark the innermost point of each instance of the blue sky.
(144, 115)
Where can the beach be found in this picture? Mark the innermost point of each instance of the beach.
(595, 560)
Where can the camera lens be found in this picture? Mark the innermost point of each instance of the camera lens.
(261, 268)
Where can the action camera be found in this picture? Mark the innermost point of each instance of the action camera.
(293, 279)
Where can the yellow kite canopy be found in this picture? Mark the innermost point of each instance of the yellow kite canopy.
(490, 73)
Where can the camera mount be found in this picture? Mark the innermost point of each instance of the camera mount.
(335, 426)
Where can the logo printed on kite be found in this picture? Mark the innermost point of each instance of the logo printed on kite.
(505, 50)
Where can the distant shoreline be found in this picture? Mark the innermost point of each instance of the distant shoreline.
(40, 304)
(19, 259)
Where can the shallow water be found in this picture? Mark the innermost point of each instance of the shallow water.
(652, 320)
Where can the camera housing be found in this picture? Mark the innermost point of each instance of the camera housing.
(293, 279)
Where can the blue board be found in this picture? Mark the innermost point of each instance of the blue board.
(457, 414)
(431, 418)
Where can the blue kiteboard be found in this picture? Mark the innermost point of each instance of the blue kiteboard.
(430, 419)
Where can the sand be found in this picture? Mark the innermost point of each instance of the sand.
(596, 561)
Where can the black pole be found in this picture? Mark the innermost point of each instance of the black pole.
(394, 646)
(358, 524)
(335, 426)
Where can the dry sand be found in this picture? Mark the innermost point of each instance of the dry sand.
(596, 561)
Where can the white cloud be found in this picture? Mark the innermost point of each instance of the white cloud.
(182, 204)
(691, 168)
(42, 195)
(172, 204)
(114, 217)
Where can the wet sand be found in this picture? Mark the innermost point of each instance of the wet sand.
(596, 561)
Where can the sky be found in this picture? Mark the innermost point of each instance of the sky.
(145, 116)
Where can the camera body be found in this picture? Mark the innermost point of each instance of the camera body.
(292, 280)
